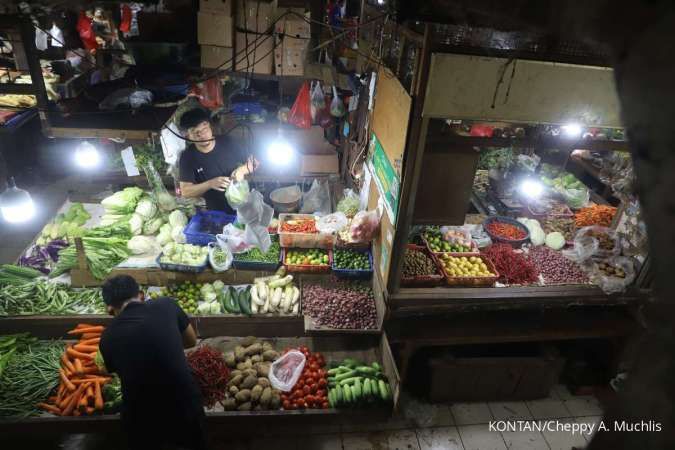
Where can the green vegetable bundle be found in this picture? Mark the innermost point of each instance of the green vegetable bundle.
(255, 255)
(102, 255)
(495, 158)
(112, 394)
(12, 343)
(11, 274)
(41, 297)
(29, 378)
(353, 383)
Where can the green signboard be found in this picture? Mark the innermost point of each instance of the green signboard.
(387, 180)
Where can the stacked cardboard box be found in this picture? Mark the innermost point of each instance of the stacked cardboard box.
(290, 54)
(254, 41)
(214, 33)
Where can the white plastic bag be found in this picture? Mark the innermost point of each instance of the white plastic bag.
(233, 238)
(318, 102)
(237, 193)
(332, 223)
(614, 284)
(365, 225)
(349, 203)
(317, 199)
(214, 247)
(285, 371)
(457, 235)
(337, 108)
(588, 236)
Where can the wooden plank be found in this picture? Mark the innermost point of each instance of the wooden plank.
(448, 143)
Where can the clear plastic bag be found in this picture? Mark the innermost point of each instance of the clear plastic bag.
(349, 205)
(332, 223)
(234, 239)
(605, 247)
(165, 201)
(237, 193)
(215, 246)
(317, 100)
(365, 225)
(611, 284)
(575, 198)
(285, 371)
(337, 108)
(457, 235)
(317, 199)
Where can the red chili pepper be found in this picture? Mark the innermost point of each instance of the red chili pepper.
(513, 267)
(506, 230)
(211, 373)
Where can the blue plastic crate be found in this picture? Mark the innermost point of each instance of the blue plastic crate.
(355, 273)
(195, 237)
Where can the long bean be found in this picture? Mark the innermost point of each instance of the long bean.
(42, 297)
(29, 378)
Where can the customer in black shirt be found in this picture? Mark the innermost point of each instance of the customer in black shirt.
(209, 164)
(144, 346)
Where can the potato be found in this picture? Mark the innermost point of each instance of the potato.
(266, 396)
(249, 372)
(256, 392)
(256, 359)
(239, 353)
(264, 382)
(270, 355)
(262, 369)
(229, 404)
(258, 408)
(235, 381)
(244, 365)
(267, 346)
(275, 402)
(244, 407)
(235, 372)
(233, 390)
(230, 359)
(243, 396)
(254, 349)
(249, 382)
(249, 340)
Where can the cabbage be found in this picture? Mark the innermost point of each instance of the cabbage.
(152, 225)
(146, 208)
(177, 234)
(210, 296)
(204, 308)
(537, 235)
(215, 308)
(555, 240)
(169, 249)
(218, 285)
(166, 228)
(136, 224)
(164, 238)
(166, 201)
(140, 245)
(122, 202)
(207, 289)
(177, 218)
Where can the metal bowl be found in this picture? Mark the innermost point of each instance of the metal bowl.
(286, 205)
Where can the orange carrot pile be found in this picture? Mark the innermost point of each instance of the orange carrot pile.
(79, 392)
(600, 215)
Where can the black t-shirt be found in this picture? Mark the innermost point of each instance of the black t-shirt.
(197, 167)
(144, 346)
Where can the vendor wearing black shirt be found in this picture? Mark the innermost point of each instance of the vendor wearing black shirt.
(144, 346)
(210, 164)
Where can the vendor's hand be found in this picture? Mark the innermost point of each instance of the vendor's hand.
(219, 183)
(252, 164)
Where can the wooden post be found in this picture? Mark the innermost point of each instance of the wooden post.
(81, 255)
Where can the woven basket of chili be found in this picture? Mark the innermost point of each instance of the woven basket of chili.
(513, 267)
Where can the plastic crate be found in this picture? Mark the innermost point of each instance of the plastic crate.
(258, 265)
(309, 268)
(424, 280)
(195, 237)
(181, 267)
(471, 281)
(358, 274)
(303, 240)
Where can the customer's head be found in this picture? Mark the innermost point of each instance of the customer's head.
(118, 291)
(196, 125)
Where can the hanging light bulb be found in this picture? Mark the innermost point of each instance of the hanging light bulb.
(279, 151)
(87, 155)
(572, 130)
(16, 204)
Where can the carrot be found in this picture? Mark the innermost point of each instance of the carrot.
(85, 348)
(94, 329)
(91, 341)
(67, 397)
(76, 413)
(49, 408)
(90, 336)
(59, 393)
(78, 367)
(91, 380)
(98, 396)
(75, 354)
(90, 370)
(74, 400)
(90, 394)
(83, 325)
(66, 363)
(82, 403)
(66, 381)
(90, 410)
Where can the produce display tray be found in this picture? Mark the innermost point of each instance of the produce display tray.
(309, 268)
(195, 237)
(567, 213)
(257, 265)
(516, 243)
(181, 267)
(471, 281)
(303, 240)
(357, 274)
(424, 280)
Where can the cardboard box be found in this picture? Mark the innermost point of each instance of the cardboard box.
(281, 10)
(254, 16)
(290, 56)
(260, 55)
(319, 164)
(217, 6)
(214, 29)
(293, 26)
(213, 56)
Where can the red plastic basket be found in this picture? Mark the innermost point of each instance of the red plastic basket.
(424, 280)
(470, 281)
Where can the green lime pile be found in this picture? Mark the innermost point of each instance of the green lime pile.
(255, 255)
(186, 294)
(307, 257)
(439, 245)
(351, 260)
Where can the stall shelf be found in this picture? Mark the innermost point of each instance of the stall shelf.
(334, 348)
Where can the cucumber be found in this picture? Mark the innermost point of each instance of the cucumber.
(245, 303)
(356, 389)
(384, 392)
(234, 301)
(350, 380)
(346, 390)
(344, 376)
(226, 302)
(338, 370)
(331, 398)
(366, 370)
(366, 388)
(338, 395)
(377, 367)
(351, 363)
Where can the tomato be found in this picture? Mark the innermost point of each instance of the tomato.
(303, 349)
(300, 383)
(309, 380)
(291, 406)
(320, 393)
(301, 404)
(306, 389)
(299, 393)
(314, 387)
(310, 399)
(287, 404)
(314, 366)
(322, 383)
(321, 373)
(318, 355)
(324, 405)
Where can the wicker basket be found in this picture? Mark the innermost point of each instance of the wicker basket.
(424, 280)
(474, 252)
(470, 281)
(308, 268)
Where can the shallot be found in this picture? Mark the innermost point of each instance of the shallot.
(340, 304)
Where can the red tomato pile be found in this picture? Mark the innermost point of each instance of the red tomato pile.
(311, 390)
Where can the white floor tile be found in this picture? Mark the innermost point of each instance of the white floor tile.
(390, 440)
(479, 437)
(548, 408)
(560, 391)
(320, 442)
(471, 413)
(591, 421)
(509, 410)
(402, 440)
(564, 440)
(422, 415)
(445, 438)
(583, 406)
(524, 440)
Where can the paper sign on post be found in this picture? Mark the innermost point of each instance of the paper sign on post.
(129, 161)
